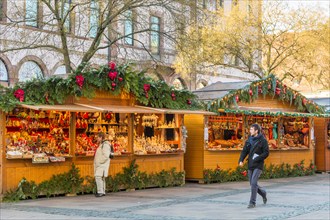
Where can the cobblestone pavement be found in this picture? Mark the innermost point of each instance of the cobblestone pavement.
(290, 198)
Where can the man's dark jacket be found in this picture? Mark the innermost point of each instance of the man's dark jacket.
(255, 145)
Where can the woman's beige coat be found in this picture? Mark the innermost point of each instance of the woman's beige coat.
(102, 160)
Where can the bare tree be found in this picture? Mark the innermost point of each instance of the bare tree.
(282, 42)
(82, 29)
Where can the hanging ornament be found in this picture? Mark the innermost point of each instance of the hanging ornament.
(304, 101)
(173, 96)
(250, 92)
(120, 79)
(278, 91)
(269, 86)
(237, 98)
(19, 94)
(46, 98)
(80, 80)
(189, 102)
(146, 88)
(112, 65)
(259, 89)
(113, 85)
(112, 75)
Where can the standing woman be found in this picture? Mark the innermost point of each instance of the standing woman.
(101, 163)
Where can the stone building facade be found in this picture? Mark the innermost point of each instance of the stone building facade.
(152, 52)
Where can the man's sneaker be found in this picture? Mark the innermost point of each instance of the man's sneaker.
(264, 199)
(251, 206)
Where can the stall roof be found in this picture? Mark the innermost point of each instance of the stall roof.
(65, 107)
(219, 89)
(270, 112)
(121, 109)
(325, 102)
(180, 111)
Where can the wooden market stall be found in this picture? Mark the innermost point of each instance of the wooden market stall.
(43, 140)
(38, 141)
(217, 141)
(322, 137)
(322, 143)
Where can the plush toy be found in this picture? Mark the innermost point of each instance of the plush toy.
(275, 131)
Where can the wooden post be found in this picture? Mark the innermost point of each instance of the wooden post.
(2, 148)
(130, 133)
(72, 135)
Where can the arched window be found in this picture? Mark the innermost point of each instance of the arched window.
(177, 83)
(153, 75)
(201, 84)
(60, 70)
(3, 72)
(29, 70)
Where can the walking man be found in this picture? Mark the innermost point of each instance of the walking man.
(257, 149)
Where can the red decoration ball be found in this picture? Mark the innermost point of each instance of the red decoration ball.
(189, 102)
(250, 92)
(120, 79)
(237, 98)
(113, 84)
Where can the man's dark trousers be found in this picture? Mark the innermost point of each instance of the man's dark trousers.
(253, 178)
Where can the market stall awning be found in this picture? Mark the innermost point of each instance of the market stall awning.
(65, 107)
(121, 109)
(267, 112)
(180, 111)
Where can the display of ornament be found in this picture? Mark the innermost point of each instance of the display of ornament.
(149, 120)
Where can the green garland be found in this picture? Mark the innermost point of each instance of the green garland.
(73, 182)
(267, 86)
(56, 90)
(271, 171)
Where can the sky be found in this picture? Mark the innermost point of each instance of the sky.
(323, 4)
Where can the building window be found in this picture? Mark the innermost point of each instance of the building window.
(128, 32)
(201, 85)
(65, 15)
(31, 13)
(60, 70)
(2, 10)
(222, 3)
(3, 72)
(94, 18)
(204, 4)
(177, 84)
(154, 36)
(29, 70)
